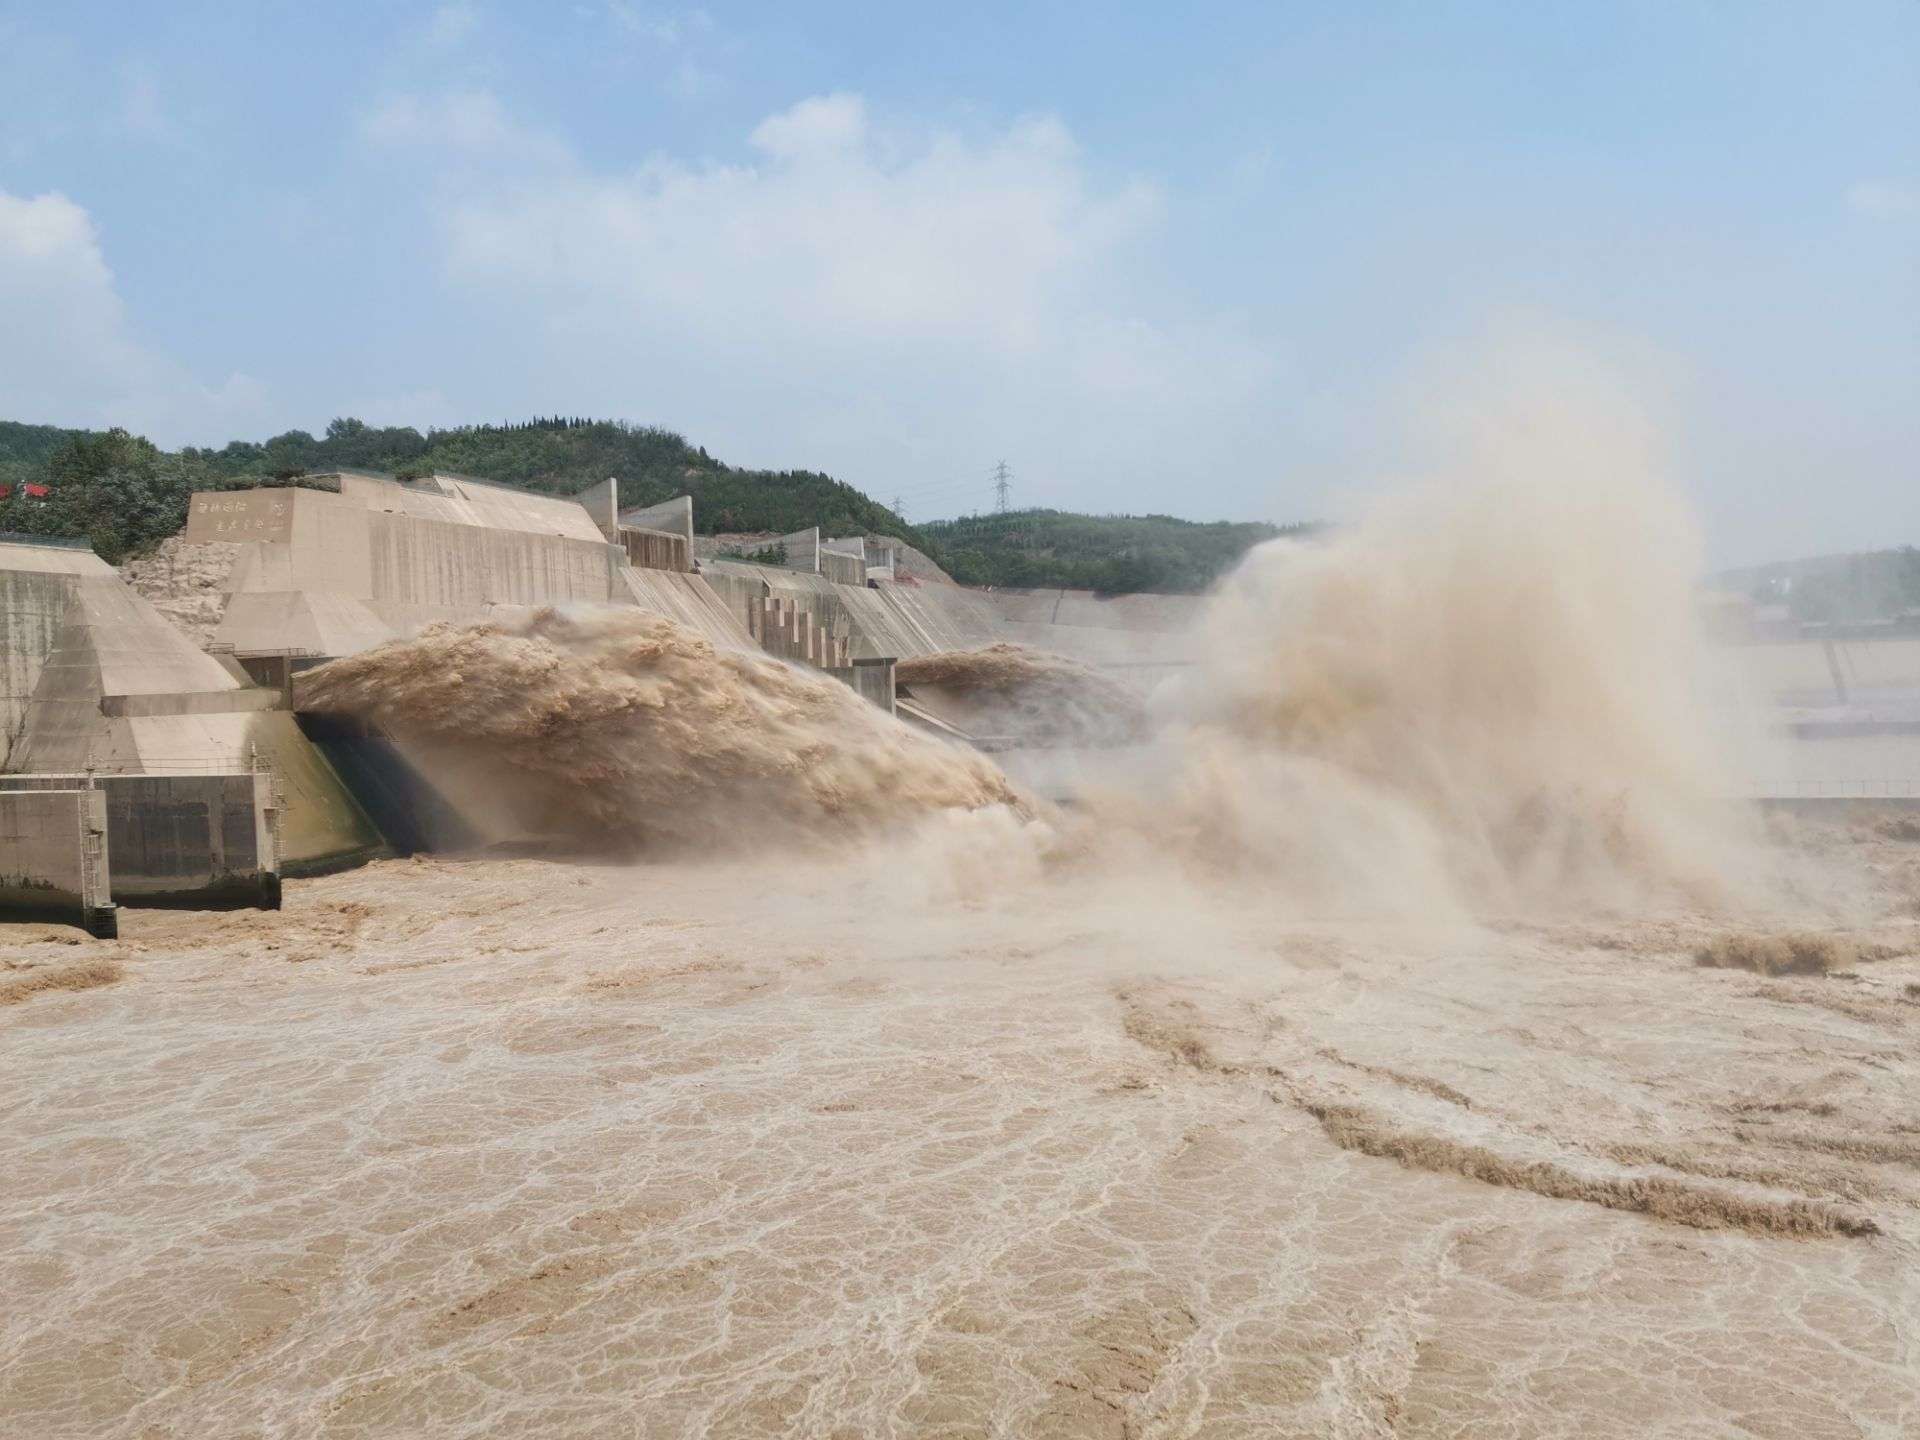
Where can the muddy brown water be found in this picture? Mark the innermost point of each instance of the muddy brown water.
(539, 1149)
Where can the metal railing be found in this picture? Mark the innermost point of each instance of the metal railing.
(1885, 788)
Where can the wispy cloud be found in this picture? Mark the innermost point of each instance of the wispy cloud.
(683, 47)
(1883, 199)
(870, 294)
(669, 28)
(468, 122)
(143, 112)
(71, 354)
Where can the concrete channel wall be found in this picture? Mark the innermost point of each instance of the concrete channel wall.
(335, 574)
(53, 858)
(675, 515)
(879, 621)
(31, 607)
(872, 680)
(1085, 608)
(843, 569)
(690, 601)
(185, 839)
(656, 550)
(39, 580)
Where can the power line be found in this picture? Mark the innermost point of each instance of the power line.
(937, 499)
(934, 487)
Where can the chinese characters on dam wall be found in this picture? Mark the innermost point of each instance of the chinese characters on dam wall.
(253, 516)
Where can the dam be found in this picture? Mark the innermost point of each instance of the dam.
(103, 694)
(99, 687)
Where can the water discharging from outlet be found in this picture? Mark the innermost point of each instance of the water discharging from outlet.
(1481, 697)
(619, 727)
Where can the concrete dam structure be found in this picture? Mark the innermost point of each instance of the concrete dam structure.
(97, 682)
(323, 573)
(189, 775)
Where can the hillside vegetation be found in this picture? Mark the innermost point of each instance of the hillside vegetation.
(125, 495)
(1114, 554)
(1875, 586)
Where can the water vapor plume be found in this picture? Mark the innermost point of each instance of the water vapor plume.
(1482, 696)
(1032, 695)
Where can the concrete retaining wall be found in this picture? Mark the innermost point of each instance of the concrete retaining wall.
(201, 839)
(276, 513)
(843, 569)
(873, 680)
(656, 550)
(1083, 607)
(31, 607)
(790, 633)
(1805, 670)
(942, 617)
(878, 621)
(602, 504)
(690, 601)
(874, 552)
(675, 516)
(463, 568)
(53, 858)
(338, 575)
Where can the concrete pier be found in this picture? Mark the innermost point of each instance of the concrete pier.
(53, 859)
(181, 839)
(872, 680)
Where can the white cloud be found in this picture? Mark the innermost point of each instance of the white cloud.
(1883, 199)
(877, 302)
(958, 240)
(471, 123)
(69, 355)
(827, 124)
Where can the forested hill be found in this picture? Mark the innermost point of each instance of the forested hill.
(1115, 554)
(125, 495)
(1877, 585)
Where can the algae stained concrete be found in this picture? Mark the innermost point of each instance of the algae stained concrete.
(181, 838)
(52, 856)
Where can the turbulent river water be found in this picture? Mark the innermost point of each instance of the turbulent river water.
(518, 1147)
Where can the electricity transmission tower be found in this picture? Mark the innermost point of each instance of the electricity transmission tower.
(1002, 481)
(896, 508)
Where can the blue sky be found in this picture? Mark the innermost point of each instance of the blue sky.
(1202, 260)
